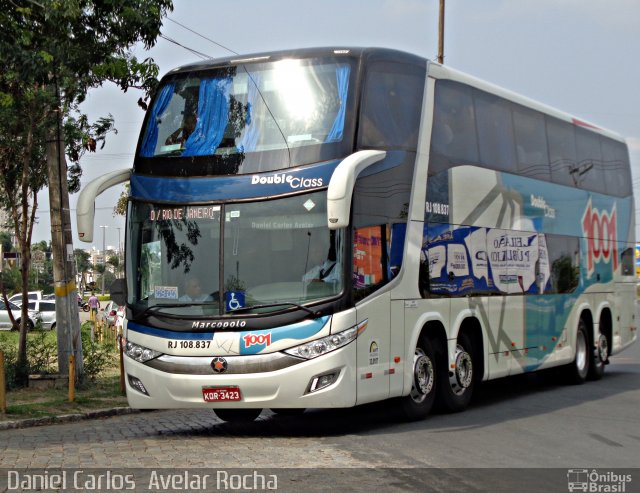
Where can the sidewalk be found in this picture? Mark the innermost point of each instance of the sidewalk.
(13, 424)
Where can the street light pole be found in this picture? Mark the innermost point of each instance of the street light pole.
(119, 256)
(104, 255)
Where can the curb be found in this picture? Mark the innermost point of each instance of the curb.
(66, 418)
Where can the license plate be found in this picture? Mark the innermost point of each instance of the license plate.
(221, 394)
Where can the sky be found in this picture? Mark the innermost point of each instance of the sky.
(579, 56)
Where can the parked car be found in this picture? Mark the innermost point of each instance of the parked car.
(45, 312)
(33, 295)
(5, 320)
(108, 314)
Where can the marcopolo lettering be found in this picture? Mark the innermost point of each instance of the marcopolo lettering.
(219, 324)
(294, 182)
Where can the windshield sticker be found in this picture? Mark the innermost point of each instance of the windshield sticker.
(309, 204)
(165, 292)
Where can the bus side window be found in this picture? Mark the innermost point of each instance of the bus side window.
(495, 132)
(391, 107)
(369, 260)
(589, 171)
(531, 143)
(454, 134)
(562, 151)
(616, 168)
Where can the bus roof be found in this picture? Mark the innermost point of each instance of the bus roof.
(435, 70)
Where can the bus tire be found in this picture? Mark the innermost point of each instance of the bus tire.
(578, 370)
(598, 357)
(455, 386)
(237, 415)
(417, 405)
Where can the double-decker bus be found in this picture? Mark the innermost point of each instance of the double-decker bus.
(330, 227)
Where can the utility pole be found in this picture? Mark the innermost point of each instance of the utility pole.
(441, 33)
(104, 256)
(64, 277)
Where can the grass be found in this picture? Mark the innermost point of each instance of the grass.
(101, 393)
(104, 393)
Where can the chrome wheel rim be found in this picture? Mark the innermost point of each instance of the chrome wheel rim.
(423, 376)
(603, 348)
(462, 376)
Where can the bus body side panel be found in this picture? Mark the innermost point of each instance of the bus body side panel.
(373, 349)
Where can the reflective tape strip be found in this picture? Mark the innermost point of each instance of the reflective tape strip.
(63, 290)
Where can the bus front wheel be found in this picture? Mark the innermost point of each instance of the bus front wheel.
(419, 402)
(455, 384)
(237, 415)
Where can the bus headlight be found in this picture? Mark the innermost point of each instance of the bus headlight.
(327, 344)
(140, 353)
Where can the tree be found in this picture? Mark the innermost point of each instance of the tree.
(52, 53)
(5, 241)
(114, 261)
(82, 266)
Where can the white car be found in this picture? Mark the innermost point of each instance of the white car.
(32, 295)
(5, 320)
(45, 312)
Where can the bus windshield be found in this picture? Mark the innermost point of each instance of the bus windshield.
(215, 259)
(243, 114)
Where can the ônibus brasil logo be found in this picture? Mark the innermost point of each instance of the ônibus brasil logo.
(599, 228)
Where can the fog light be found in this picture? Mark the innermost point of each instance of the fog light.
(320, 382)
(137, 384)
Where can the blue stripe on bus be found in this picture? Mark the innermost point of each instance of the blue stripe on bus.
(215, 188)
(299, 331)
(169, 334)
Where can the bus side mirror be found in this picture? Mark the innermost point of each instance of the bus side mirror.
(341, 185)
(86, 206)
(118, 291)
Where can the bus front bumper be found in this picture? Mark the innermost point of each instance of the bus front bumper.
(288, 387)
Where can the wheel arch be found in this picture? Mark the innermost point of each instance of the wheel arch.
(472, 327)
(432, 326)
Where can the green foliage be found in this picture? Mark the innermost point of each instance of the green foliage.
(52, 53)
(97, 357)
(42, 353)
(121, 206)
(10, 351)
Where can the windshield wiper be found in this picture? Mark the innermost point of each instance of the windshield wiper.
(154, 308)
(273, 305)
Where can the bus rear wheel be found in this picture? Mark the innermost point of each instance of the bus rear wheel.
(578, 370)
(417, 405)
(598, 358)
(237, 415)
(455, 385)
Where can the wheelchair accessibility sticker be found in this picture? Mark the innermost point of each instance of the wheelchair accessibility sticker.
(234, 300)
